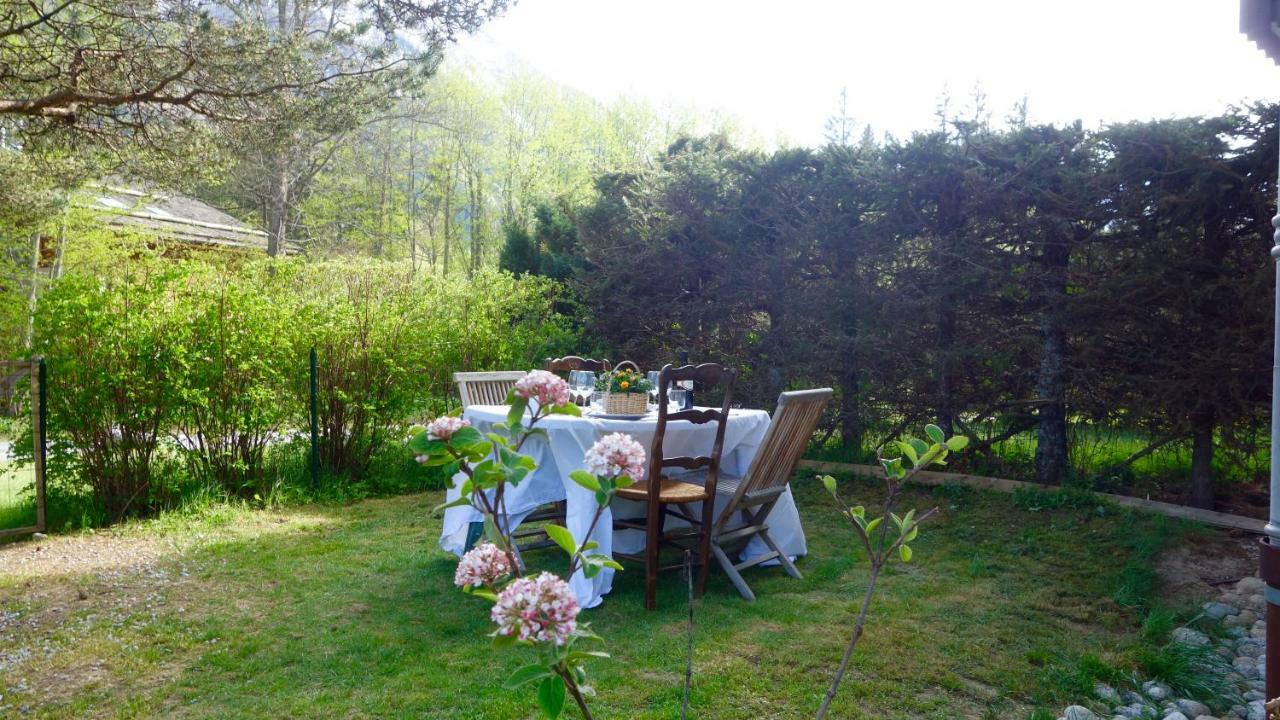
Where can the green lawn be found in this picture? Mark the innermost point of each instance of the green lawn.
(349, 612)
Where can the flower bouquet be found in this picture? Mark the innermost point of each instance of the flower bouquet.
(624, 392)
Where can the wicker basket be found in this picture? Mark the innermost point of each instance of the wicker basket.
(626, 403)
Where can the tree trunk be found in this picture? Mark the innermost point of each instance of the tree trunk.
(278, 205)
(1203, 423)
(851, 427)
(1051, 438)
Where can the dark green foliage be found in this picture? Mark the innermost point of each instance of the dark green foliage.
(1049, 276)
(552, 250)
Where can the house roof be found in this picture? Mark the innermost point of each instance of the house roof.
(170, 215)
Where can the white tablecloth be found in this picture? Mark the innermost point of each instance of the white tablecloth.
(560, 453)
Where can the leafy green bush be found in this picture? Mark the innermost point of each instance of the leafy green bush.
(236, 354)
(113, 366)
(200, 366)
(388, 341)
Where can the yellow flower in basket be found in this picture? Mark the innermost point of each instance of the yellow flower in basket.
(624, 384)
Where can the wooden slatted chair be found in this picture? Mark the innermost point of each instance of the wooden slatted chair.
(569, 363)
(753, 496)
(664, 494)
(486, 388)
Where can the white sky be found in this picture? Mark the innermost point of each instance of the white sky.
(777, 67)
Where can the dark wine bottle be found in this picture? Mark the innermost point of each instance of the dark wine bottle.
(687, 384)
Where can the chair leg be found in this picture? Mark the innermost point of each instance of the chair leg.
(787, 565)
(734, 576)
(652, 538)
(704, 543)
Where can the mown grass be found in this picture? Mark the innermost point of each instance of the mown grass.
(329, 611)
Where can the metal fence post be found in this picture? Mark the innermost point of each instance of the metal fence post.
(315, 430)
(42, 442)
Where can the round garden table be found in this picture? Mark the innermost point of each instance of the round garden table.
(561, 452)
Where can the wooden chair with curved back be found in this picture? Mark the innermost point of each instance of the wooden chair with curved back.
(569, 363)
(665, 494)
(752, 497)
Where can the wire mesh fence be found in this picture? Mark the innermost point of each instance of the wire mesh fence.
(22, 485)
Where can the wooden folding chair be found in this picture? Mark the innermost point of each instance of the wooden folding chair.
(664, 495)
(486, 388)
(753, 496)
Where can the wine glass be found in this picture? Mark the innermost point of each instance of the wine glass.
(652, 376)
(675, 396)
(582, 382)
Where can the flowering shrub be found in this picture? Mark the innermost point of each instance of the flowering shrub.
(539, 609)
(539, 612)
(544, 387)
(483, 566)
(443, 428)
(616, 454)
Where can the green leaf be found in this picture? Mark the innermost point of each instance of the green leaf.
(466, 437)
(551, 697)
(459, 502)
(829, 483)
(525, 675)
(896, 520)
(904, 552)
(585, 479)
(912, 533)
(908, 451)
(562, 537)
(921, 446)
(518, 407)
(858, 511)
(481, 592)
(871, 526)
(935, 433)
(567, 409)
(893, 468)
(956, 443)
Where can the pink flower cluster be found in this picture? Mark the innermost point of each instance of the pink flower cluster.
(484, 565)
(548, 389)
(443, 427)
(539, 609)
(614, 455)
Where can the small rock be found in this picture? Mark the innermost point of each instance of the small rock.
(1106, 693)
(38, 536)
(1130, 697)
(1217, 610)
(1250, 585)
(1257, 711)
(1254, 695)
(1155, 690)
(1175, 715)
(1205, 717)
(1192, 708)
(1247, 667)
(1078, 712)
(1189, 636)
(81, 594)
